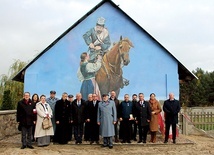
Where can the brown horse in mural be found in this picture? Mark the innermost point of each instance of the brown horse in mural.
(109, 77)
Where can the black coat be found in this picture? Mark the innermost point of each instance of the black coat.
(78, 114)
(63, 111)
(25, 113)
(92, 111)
(171, 109)
(142, 113)
(63, 115)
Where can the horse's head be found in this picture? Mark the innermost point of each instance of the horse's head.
(124, 47)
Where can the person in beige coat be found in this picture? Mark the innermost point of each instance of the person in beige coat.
(155, 110)
(43, 110)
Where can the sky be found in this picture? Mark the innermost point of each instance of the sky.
(185, 27)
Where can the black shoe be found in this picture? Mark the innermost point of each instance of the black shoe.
(30, 147)
(129, 142)
(103, 145)
(97, 142)
(144, 141)
(174, 141)
(135, 139)
(123, 141)
(165, 141)
(91, 142)
(140, 141)
(110, 147)
(23, 147)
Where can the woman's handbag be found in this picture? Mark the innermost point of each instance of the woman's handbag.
(46, 124)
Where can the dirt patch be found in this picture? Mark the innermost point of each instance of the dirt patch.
(186, 145)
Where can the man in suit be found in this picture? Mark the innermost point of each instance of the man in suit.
(117, 102)
(171, 107)
(125, 113)
(78, 117)
(134, 101)
(142, 113)
(92, 119)
(26, 119)
(106, 118)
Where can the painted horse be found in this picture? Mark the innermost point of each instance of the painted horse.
(110, 75)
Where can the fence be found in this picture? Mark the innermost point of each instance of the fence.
(202, 120)
(196, 122)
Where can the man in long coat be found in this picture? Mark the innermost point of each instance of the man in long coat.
(106, 118)
(171, 107)
(92, 119)
(63, 119)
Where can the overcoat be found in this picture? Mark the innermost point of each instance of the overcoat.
(142, 113)
(39, 131)
(171, 109)
(155, 107)
(25, 113)
(106, 115)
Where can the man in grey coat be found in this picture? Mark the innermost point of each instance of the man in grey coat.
(106, 118)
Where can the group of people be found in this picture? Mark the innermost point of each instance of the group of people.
(93, 118)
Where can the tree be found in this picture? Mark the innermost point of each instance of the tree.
(7, 102)
(16, 88)
(198, 92)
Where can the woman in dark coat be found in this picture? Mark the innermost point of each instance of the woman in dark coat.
(35, 99)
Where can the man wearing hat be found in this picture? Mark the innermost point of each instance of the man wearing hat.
(106, 118)
(52, 102)
(98, 40)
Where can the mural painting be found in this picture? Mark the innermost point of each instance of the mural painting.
(101, 69)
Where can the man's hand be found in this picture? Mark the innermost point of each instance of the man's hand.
(72, 121)
(120, 119)
(136, 122)
(148, 120)
(98, 123)
(97, 48)
(91, 45)
(114, 122)
(57, 122)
